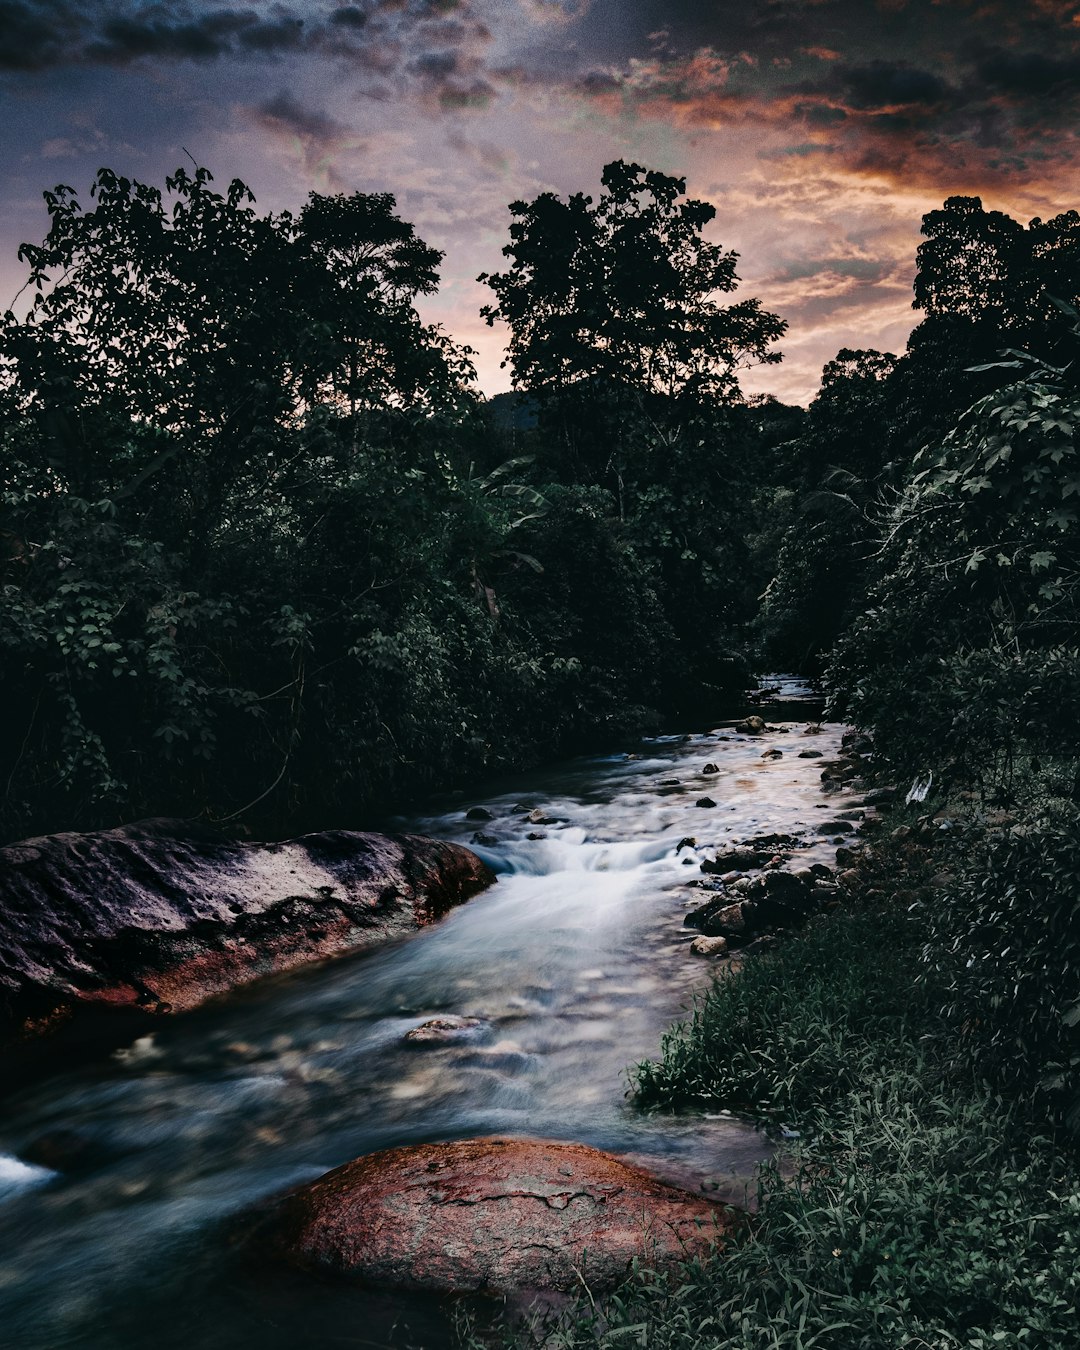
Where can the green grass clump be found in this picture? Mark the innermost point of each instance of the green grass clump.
(796, 1029)
(926, 1218)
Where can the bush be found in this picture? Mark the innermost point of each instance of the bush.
(1004, 946)
(975, 605)
(795, 1030)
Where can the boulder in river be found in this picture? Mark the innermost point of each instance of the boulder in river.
(159, 916)
(718, 918)
(735, 860)
(448, 1030)
(488, 1215)
(752, 726)
(708, 946)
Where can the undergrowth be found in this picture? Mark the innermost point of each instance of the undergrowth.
(797, 1029)
(925, 1218)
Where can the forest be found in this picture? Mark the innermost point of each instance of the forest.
(270, 560)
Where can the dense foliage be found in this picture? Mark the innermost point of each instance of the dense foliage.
(265, 553)
(631, 361)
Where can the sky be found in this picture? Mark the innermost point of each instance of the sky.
(821, 130)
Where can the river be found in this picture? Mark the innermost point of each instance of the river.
(574, 964)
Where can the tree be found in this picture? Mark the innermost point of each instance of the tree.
(985, 283)
(369, 347)
(616, 327)
(841, 460)
(200, 333)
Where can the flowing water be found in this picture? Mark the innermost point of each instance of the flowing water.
(574, 964)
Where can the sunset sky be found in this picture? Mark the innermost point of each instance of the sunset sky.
(820, 129)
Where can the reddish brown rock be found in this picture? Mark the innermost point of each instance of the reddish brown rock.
(493, 1214)
(159, 916)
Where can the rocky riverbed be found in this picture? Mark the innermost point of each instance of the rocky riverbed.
(131, 1186)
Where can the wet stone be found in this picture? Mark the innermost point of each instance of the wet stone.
(446, 1031)
(708, 946)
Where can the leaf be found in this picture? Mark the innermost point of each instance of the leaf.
(1042, 559)
(525, 558)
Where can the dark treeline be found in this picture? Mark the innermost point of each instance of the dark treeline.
(266, 552)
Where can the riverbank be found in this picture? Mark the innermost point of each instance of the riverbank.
(918, 1205)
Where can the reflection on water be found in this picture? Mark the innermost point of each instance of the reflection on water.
(572, 967)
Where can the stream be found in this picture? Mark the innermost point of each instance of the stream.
(575, 964)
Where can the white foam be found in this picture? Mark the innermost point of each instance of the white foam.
(16, 1176)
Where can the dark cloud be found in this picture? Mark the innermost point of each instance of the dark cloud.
(915, 90)
(283, 112)
(437, 66)
(349, 17)
(206, 37)
(882, 84)
(33, 36)
(38, 34)
(1030, 74)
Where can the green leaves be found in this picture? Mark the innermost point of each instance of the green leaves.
(624, 291)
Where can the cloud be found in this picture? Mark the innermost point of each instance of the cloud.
(37, 35)
(309, 135)
(885, 84)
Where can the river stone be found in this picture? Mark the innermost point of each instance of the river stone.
(492, 1215)
(734, 860)
(718, 918)
(708, 946)
(752, 726)
(479, 813)
(711, 768)
(159, 916)
(445, 1030)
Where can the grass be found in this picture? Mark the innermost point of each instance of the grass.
(795, 1030)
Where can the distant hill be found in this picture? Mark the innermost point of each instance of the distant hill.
(512, 411)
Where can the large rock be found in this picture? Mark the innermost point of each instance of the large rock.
(492, 1214)
(159, 916)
